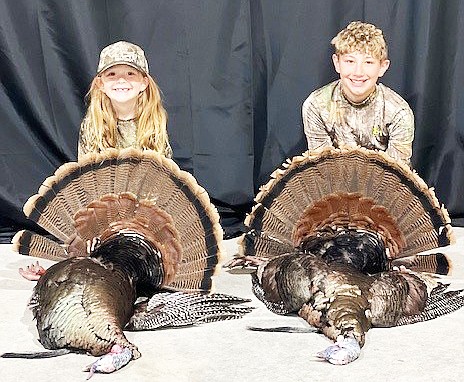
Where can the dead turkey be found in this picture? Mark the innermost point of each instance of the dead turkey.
(336, 236)
(128, 226)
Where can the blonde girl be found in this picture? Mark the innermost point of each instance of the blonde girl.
(124, 105)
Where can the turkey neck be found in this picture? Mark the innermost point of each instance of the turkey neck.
(136, 257)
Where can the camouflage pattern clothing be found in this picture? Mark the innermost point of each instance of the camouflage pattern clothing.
(384, 121)
(127, 137)
(123, 52)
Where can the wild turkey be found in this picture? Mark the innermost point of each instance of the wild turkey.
(127, 225)
(331, 235)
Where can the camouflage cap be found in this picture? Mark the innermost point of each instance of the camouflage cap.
(122, 52)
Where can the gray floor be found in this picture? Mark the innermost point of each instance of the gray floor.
(227, 351)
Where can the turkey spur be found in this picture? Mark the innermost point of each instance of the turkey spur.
(137, 242)
(337, 235)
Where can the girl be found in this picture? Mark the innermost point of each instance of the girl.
(125, 108)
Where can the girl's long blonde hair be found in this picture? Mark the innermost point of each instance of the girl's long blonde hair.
(100, 122)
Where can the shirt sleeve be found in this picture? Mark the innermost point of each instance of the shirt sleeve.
(401, 136)
(314, 127)
(82, 146)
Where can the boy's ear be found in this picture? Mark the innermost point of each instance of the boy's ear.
(384, 65)
(336, 62)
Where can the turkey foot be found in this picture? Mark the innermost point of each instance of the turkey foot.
(32, 272)
(114, 360)
(342, 352)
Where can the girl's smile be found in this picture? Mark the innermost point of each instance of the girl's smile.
(122, 84)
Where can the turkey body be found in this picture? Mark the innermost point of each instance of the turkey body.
(84, 303)
(337, 298)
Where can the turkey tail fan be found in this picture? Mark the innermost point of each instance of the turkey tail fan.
(431, 263)
(86, 202)
(32, 244)
(349, 188)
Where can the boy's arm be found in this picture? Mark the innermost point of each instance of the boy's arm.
(314, 127)
(401, 136)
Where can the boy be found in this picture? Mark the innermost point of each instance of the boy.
(355, 110)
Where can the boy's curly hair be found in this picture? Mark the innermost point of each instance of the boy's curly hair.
(362, 37)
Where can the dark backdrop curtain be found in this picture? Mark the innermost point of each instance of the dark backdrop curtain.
(234, 74)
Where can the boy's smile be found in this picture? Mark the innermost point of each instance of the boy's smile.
(359, 73)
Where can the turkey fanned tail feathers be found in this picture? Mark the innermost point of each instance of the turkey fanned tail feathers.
(337, 237)
(317, 195)
(88, 201)
(123, 224)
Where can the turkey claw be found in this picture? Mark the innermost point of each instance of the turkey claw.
(32, 272)
(342, 352)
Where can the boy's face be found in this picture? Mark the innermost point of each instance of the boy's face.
(359, 73)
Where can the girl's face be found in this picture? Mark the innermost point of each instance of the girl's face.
(359, 73)
(122, 84)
